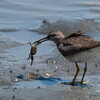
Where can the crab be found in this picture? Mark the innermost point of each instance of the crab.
(33, 50)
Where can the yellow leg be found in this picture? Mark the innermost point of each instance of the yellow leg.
(85, 69)
(77, 71)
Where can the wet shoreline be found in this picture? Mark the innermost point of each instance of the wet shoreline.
(48, 65)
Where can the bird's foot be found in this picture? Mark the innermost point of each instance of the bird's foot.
(84, 84)
(69, 83)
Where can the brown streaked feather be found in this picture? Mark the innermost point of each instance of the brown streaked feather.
(74, 34)
(75, 44)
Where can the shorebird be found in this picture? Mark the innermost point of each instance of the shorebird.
(77, 48)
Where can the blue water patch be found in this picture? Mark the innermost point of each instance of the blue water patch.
(48, 78)
(21, 77)
(49, 81)
(44, 82)
(38, 82)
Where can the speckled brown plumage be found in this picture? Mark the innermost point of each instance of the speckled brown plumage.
(76, 43)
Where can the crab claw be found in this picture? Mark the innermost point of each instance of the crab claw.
(32, 58)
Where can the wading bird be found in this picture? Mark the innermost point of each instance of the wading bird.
(77, 48)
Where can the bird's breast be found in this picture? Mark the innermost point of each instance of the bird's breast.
(91, 55)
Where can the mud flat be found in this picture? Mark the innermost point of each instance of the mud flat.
(42, 80)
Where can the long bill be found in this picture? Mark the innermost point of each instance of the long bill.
(40, 41)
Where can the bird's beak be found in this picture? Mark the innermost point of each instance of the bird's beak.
(41, 40)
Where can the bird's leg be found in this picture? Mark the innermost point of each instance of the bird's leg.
(85, 69)
(77, 71)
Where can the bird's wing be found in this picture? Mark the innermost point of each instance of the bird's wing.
(74, 34)
(77, 44)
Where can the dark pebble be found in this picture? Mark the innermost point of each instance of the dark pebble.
(68, 71)
(24, 67)
(13, 97)
(38, 87)
(10, 71)
(55, 70)
(96, 65)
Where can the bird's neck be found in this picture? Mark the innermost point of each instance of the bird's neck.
(57, 41)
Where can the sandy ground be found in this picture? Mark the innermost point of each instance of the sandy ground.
(50, 65)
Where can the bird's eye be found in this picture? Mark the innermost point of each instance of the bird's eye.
(51, 35)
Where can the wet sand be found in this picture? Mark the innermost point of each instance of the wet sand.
(51, 65)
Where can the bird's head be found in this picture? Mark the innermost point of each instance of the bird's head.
(54, 36)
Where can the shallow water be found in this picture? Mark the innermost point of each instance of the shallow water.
(39, 82)
(22, 21)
